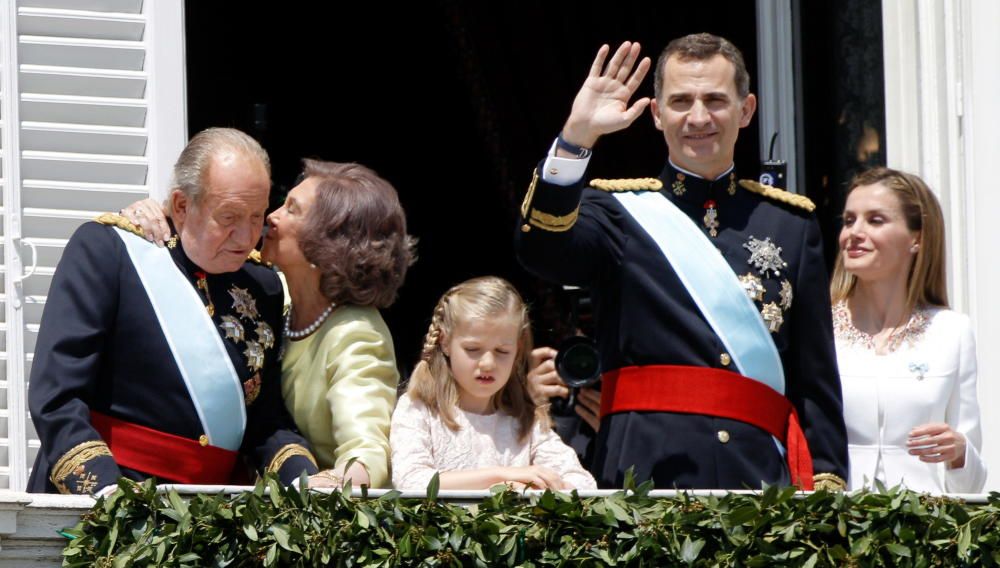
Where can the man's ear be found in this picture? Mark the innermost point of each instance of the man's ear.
(654, 109)
(180, 206)
(749, 106)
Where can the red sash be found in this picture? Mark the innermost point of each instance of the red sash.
(711, 392)
(163, 455)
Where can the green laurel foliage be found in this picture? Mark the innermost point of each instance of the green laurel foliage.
(274, 525)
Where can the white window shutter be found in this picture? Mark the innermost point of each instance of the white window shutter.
(91, 121)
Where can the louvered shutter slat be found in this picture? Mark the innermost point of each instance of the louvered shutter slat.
(80, 24)
(78, 52)
(70, 109)
(123, 6)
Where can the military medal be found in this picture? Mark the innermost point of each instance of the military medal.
(678, 185)
(255, 355)
(772, 317)
(731, 190)
(243, 303)
(711, 218)
(765, 256)
(232, 327)
(251, 388)
(265, 335)
(753, 286)
(786, 294)
(202, 285)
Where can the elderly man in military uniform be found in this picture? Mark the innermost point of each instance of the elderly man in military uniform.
(163, 361)
(710, 293)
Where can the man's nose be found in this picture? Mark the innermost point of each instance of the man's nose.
(698, 115)
(246, 233)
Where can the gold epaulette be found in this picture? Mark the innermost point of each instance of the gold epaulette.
(74, 462)
(829, 482)
(286, 452)
(637, 184)
(120, 221)
(800, 201)
(255, 258)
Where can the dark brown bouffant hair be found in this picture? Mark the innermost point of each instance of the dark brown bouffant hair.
(926, 283)
(355, 233)
(701, 47)
(432, 382)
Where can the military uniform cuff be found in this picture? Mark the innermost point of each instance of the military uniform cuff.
(828, 482)
(84, 469)
(550, 207)
(291, 461)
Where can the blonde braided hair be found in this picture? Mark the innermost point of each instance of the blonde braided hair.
(432, 382)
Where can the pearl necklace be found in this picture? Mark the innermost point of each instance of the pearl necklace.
(309, 328)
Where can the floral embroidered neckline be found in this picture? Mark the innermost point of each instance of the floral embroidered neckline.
(844, 330)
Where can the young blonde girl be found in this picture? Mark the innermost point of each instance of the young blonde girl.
(467, 413)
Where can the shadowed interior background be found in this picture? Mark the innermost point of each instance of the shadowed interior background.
(453, 102)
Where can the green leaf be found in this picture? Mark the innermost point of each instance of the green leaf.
(280, 533)
(964, 540)
(251, 532)
(898, 549)
(690, 550)
(433, 486)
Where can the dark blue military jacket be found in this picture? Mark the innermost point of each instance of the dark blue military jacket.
(583, 236)
(100, 347)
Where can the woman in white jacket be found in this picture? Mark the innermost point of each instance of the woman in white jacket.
(907, 362)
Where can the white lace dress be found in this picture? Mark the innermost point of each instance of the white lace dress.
(929, 375)
(422, 445)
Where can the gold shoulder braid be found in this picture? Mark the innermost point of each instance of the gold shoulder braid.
(800, 201)
(255, 258)
(285, 452)
(72, 462)
(637, 184)
(828, 482)
(116, 220)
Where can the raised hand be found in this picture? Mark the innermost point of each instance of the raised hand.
(602, 105)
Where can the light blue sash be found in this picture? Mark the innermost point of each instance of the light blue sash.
(197, 347)
(712, 284)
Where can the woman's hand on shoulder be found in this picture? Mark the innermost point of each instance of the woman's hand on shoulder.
(149, 215)
(937, 442)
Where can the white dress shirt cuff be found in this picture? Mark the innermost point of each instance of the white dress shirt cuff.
(563, 171)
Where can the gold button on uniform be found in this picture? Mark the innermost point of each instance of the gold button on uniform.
(725, 359)
(723, 436)
(203, 440)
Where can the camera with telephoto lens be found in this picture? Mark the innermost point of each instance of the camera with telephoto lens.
(579, 365)
(578, 362)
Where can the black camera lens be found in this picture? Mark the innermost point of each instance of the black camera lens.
(578, 362)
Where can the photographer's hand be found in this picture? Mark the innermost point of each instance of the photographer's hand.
(543, 380)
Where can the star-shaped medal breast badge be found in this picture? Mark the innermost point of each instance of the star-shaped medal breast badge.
(765, 256)
(243, 303)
